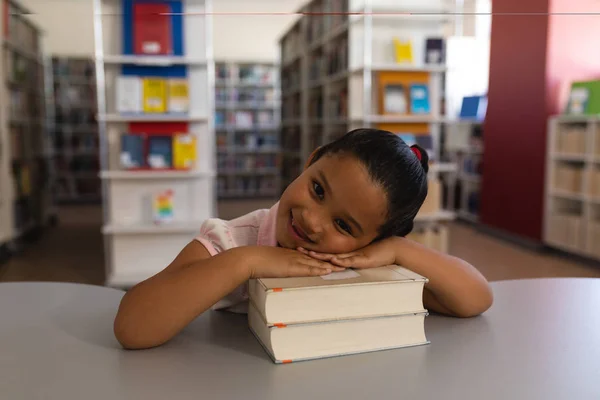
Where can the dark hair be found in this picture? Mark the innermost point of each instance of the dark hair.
(392, 164)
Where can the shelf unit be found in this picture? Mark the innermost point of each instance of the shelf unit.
(572, 190)
(333, 69)
(464, 146)
(25, 192)
(75, 131)
(247, 114)
(137, 244)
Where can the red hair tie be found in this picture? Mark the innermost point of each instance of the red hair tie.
(417, 152)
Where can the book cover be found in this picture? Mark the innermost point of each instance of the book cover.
(435, 51)
(132, 151)
(152, 29)
(155, 95)
(162, 206)
(473, 107)
(394, 99)
(578, 100)
(184, 151)
(179, 98)
(419, 99)
(160, 152)
(387, 274)
(403, 51)
(129, 94)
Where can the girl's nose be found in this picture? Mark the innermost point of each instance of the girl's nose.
(313, 222)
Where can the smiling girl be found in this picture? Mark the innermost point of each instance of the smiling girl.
(351, 207)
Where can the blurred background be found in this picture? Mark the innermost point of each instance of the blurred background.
(125, 123)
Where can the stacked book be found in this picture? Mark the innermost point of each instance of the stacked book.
(349, 312)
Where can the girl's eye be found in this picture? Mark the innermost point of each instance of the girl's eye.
(344, 226)
(318, 190)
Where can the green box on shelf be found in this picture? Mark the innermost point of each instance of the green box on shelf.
(584, 95)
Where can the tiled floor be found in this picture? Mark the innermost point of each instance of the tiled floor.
(73, 252)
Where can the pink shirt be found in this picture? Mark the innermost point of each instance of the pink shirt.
(254, 229)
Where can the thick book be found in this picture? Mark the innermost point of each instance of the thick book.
(152, 33)
(350, 294)
(302, 342)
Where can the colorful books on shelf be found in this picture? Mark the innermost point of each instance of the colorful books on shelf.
(150, 95)
(152, 28)
(148, 152)
(375, 309)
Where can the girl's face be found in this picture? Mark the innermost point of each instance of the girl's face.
(333, 207)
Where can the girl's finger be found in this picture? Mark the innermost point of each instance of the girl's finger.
(321, 256)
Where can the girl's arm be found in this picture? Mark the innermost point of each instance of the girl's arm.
(455, 287)
(155, 310)
(158, 308)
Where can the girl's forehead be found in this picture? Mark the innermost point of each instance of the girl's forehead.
(351, 186)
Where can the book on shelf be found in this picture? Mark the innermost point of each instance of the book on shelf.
(160, 152)
(371, 309)
(403, 51)
(435, 51)
(184, 151)
(419, 99)
(162, 207)
(128, 94)
(179, 98)
(394, 99)
(155, 95)
(132, 151)
(152, 28)
(473, 107)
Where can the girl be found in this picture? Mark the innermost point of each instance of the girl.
(351, 207)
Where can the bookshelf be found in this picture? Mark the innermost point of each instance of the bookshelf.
(75, 131)
(345, 70)
(155, 89)
(247, 114)
(464, 146)
(25, 192)
(572, 190)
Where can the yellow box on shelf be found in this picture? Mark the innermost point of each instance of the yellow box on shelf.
(155, 95)
(184, 151)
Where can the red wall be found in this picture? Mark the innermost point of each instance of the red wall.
(533, 59)
(515, 124)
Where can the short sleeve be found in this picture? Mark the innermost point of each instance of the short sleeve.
(215, 235)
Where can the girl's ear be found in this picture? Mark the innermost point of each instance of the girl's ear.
(310, 158)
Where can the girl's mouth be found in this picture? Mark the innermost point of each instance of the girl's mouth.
(297, 231)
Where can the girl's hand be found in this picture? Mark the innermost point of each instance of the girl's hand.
(375, 255)
(277, 262)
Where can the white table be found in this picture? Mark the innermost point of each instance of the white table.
(540, 340)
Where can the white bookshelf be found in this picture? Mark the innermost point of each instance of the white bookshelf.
(26, 203)
(572, 188)
(247, 107)
(136, 247)
(323, 99)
